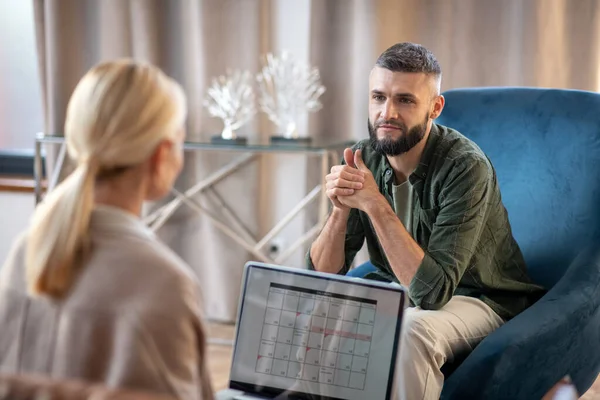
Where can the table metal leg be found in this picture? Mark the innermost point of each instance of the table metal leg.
(314, 231)
(224, 228)
(37, 172)
(159, 217)
(324, 204)
(243, 236)
(286, 220)
(229, 213)
(60, 160)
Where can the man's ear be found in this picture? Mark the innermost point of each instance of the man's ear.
(438, 106)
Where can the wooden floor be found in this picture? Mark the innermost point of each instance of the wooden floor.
(220, 361)
(219, 356)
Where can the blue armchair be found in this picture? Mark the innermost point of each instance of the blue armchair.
(545, 146)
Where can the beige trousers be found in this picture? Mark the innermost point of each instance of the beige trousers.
(429, 339)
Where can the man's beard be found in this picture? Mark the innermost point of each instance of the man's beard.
(408, 139)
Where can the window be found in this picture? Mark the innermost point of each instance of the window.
(21, 114)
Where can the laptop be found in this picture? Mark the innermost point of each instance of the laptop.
(310, 335)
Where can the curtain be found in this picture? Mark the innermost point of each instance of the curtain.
(541, 43)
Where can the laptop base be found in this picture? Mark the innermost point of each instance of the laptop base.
(232, 394)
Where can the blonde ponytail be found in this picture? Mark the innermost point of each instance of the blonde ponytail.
(117, 114)
(59, 241)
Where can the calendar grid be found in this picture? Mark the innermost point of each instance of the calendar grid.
(316, 336)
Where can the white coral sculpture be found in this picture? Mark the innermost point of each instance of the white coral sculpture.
(231, 98)
(287, 89)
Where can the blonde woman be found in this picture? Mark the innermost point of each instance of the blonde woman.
(88, 292)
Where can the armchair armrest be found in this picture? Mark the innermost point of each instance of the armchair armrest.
(556, 336)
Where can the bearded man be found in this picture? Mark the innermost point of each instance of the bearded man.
(426, 200)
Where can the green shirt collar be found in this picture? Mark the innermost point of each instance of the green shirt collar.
(428, 152)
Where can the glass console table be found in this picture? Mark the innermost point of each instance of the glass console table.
(327, 151)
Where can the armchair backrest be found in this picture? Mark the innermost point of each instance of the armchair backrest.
(545, 147)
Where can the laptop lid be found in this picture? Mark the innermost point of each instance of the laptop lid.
(304, 334)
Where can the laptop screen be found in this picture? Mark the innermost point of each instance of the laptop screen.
(304, 334)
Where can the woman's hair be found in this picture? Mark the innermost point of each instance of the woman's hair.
(118, 113)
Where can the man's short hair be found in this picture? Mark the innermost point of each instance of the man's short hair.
(409, 57)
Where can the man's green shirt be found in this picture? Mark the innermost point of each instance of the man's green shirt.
(459, 221)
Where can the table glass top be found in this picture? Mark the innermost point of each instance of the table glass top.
(265, 145)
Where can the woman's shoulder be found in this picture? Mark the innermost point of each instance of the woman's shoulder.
(180, 270)
(127, 276)
(140, 267)
(147, 258)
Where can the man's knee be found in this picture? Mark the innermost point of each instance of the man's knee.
(415, 329)
(419, 338)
